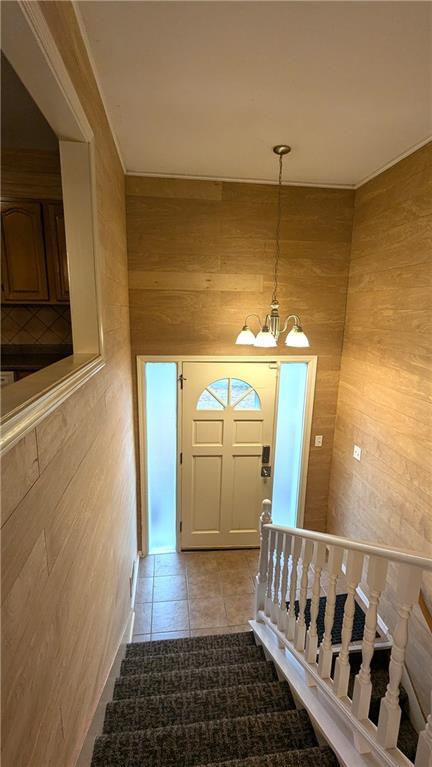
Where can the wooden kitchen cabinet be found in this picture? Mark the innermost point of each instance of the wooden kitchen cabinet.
(24, 268)
(34, 257)
(56, 251)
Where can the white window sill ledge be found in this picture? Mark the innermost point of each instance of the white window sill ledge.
(25, 403)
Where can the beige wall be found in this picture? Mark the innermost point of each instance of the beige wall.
(201, 258)
(68, 514)
(385, 386)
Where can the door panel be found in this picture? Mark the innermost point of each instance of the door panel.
(227, 417)
(208, 433)
(248, 432)
(207, 481)
(246, 497)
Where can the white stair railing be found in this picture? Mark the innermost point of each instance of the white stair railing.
(284, 551)
(424, 748)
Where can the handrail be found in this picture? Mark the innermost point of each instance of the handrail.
(291, 566)
(398, 555)
(425, 610)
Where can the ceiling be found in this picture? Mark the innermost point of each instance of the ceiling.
(205, 89)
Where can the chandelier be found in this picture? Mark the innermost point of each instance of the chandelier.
(271, 329)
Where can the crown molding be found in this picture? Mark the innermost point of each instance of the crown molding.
(229, 179)
(395, 161)
(377, 172)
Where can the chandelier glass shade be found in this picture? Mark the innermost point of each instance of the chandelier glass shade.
(245, 337)
(271, 329)
(265, 339)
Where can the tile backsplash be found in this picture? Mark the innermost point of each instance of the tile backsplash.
(35, 324)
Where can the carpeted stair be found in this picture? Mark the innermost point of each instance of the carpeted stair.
(336, 632)
(408, 737)
(202, 702)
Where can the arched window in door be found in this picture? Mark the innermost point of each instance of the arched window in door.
(229, 392)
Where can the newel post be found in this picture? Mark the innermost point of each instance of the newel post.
(262, 575)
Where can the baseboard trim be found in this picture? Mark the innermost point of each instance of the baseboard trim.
(135, 578)
(96, 723)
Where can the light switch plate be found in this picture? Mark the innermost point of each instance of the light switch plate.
(357, 452)
(318, 440)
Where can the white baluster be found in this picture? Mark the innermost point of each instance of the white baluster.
(376, 580)
(269, 600)
(300, 629)
(319, 556)
(282, 620)
(261, 578)
(325, 650)
(354, 567)
(424, 748)
(277, 573)
(295, 554)
(407, 590)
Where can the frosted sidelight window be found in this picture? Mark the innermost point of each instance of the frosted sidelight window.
(161, 451)
(289, 442)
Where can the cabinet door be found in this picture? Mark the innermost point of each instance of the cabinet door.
(24, 275)
(56, 252)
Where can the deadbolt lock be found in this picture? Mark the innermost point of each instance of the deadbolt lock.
(266, 471)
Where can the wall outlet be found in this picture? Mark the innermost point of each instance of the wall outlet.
(357, 452)
(318, 440)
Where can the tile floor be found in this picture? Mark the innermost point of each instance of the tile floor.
(189, 594)
(193, 593)
(179, 595)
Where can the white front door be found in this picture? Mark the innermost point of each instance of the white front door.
(227, 419)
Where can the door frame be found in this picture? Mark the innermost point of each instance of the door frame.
(178, 359)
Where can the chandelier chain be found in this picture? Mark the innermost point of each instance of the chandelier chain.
(278, 225)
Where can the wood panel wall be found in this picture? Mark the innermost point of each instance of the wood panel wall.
(30, 174)
(385, 390)
(201, 258)
(69, 502)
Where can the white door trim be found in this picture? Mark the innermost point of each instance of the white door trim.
(141, 359)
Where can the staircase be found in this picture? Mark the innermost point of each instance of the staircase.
(408, 738)
(218, 701)
(211, 700)
(357, 701)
